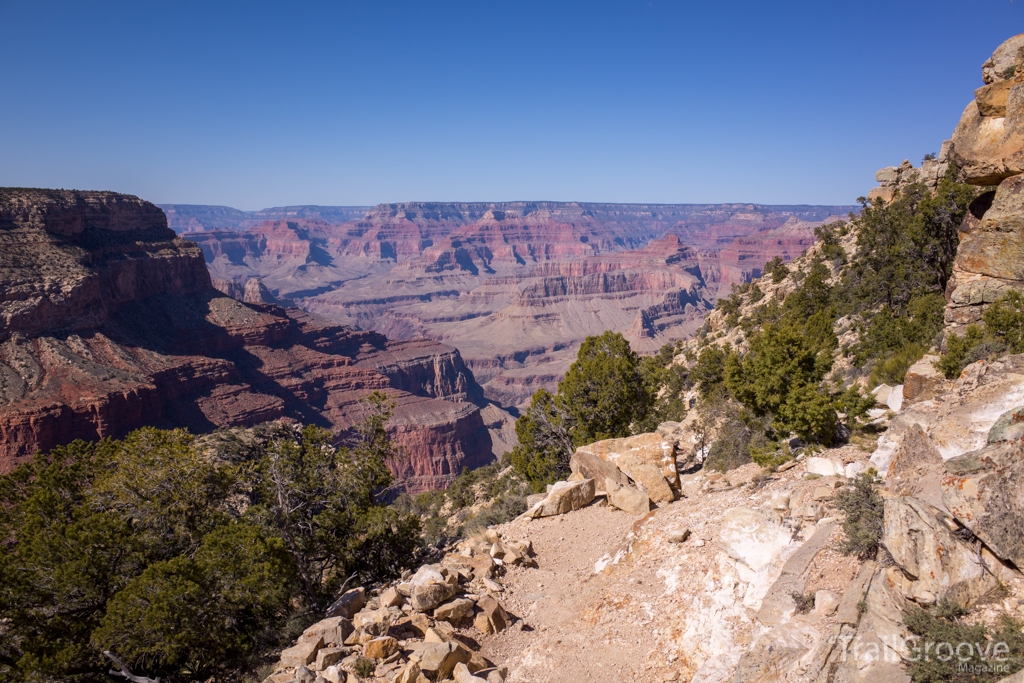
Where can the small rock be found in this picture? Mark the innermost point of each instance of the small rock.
(348, 604)
(492, 585)
(453, 610)
(698, 543)
(825, 603)
(304, 675)
(461, 674)
(678, 535)
(380, 648)
(492, 617)
(302, 653)
(822, 493)
(391, 598)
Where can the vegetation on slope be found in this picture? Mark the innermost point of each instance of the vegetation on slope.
(189, 557)
(608, 392)
(877, 280)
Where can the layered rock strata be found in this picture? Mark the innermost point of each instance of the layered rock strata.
(516, 286)
(109, 322)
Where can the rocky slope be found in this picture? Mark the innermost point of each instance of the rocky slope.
(516, 286)
(110, 322)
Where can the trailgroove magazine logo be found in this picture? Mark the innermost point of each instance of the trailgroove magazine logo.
(985, 657)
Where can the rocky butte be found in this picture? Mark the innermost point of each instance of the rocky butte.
(516, 286)
(109, 321)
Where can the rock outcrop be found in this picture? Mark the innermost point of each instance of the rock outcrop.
(988, 148)
(109, 322)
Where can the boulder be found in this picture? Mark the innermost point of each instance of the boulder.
(348, 604)
(391, 598)
(333, 631)
(492, 617)
(329, 656)
(454, 610)
(427, 596)
(1005, 62)
(825, 467)
(409, 674)
(461, 674)
(923, 381)
(302, 653)
(380, 648)
(939, 563)
(984, 490)
(621, 493)
(648, 459)
(438, 660)
(565, 496)
(1009, 426)
(881, 394)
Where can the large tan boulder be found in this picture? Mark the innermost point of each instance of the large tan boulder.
(988, 143)
(380, 648)
(607, 477)
(647, 459)
(564, 496)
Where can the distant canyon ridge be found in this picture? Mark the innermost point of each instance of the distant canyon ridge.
(515, 286)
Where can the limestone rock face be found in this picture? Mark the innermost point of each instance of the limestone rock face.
(648, 459)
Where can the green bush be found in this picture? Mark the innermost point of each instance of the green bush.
(188, 561)
(864, 509)
(893, 369)
(958, 348)
(605, 394)
(943, 624)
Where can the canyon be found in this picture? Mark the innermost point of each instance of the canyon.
(515, 286)
(109, 322)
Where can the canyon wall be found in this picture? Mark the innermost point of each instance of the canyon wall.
(109, 322)
(516, 286)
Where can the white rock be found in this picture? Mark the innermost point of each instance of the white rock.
(752, 537)
(855, 468)
(895, 401)
(825, 467)
(825, 603)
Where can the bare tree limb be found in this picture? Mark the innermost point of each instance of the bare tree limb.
(125, 672)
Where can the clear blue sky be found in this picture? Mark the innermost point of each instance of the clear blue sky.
(254, 104)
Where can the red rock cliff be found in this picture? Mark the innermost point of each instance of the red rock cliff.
(108, 322)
